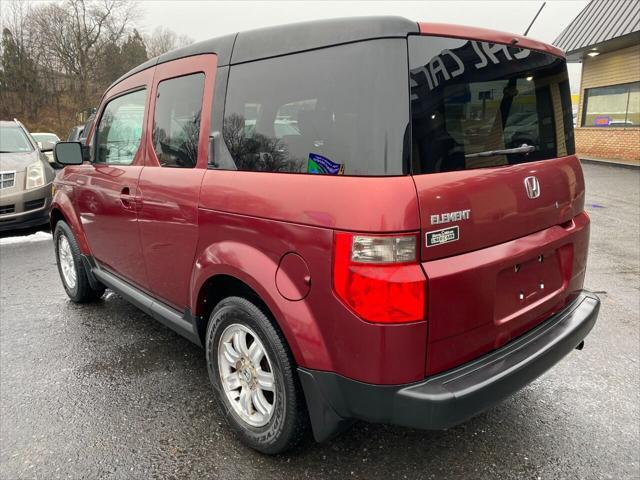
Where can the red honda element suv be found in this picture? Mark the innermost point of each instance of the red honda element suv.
(363, 218)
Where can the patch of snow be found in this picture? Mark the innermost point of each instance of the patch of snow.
(34, 237)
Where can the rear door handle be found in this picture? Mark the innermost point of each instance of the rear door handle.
(126, 198)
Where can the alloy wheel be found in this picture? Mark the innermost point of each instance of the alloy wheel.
(247, 374)
(67, 263)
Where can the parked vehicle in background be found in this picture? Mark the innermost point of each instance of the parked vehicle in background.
(41, 138)
(87, 128)
(332, 210)
(45, 137)
(79, 132)
(25, 178)
(75, 133)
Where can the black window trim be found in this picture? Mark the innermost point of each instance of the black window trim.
(93, 140)
(218, 106)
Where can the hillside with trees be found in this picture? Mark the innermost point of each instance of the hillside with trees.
(57, 58)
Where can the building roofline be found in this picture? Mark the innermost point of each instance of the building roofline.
(618, 43)
(599, 22)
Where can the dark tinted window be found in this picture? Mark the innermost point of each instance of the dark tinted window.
(120, 129)
(176, 125)
(469, 99)
(336, 111)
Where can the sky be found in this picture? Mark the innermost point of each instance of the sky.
(200, 19)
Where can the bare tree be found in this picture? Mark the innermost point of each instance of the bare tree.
(57, 57)
(19, 57)
(77, 32)
(163, 40)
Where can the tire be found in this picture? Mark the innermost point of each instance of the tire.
(268, 432)
(70, 267)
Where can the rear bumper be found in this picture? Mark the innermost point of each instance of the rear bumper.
(449, 398)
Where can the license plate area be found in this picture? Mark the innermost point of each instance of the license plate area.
(527, 284)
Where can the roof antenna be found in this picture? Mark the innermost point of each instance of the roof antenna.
(534, 18)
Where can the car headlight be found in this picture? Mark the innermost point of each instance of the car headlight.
(35, 175)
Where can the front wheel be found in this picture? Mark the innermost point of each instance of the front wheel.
(254, 377)
(72, 272)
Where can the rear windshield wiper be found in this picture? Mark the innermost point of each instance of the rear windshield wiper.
(524, 148)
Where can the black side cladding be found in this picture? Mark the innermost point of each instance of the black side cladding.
(183, 323)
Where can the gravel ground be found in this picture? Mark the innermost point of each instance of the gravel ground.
(104, 391)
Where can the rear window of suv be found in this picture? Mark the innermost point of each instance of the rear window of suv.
(476, 104)
(341, 110)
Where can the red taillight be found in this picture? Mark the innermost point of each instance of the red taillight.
(379, 278)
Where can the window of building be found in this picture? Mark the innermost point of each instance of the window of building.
(176, 123)
(613, 106)
(335, 111)
(120, 129)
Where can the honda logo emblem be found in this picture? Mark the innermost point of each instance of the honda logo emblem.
(532, 186)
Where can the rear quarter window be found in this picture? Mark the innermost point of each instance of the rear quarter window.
(335, 111)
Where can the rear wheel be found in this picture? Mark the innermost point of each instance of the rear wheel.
(254, 377)
(72, 271)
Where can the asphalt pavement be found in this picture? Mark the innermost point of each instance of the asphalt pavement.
(104, 391)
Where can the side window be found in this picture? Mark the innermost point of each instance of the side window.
(176, 123)
(341, 110)
(120, 129)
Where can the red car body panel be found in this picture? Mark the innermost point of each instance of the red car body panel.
(499, 209)
(322, 332)
(108, 222)
(474, 302)
(364, 204)
(62, 206)
(487, 35)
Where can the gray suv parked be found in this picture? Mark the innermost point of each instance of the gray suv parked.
(25, 178)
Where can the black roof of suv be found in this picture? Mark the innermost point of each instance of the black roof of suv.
(269, 42)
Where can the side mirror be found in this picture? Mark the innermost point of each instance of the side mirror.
(46, 146)
(68, 153)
